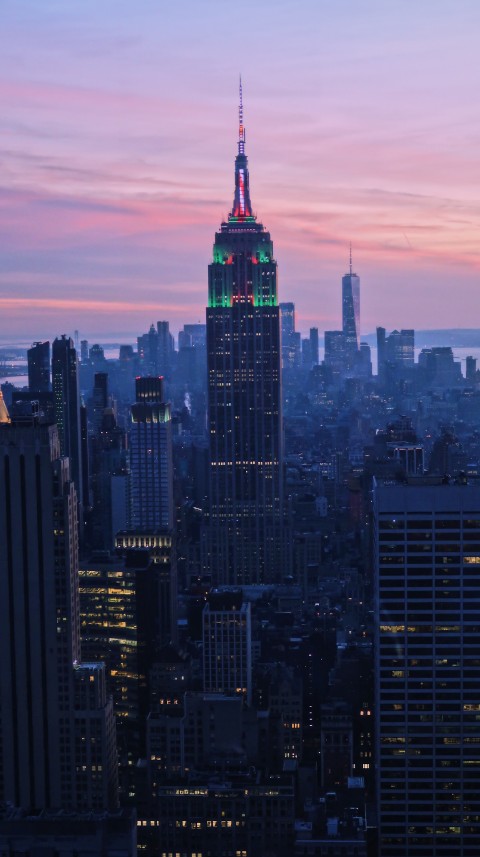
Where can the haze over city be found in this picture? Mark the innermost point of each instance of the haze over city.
(118, 136)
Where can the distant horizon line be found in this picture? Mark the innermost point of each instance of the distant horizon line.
(120, 337)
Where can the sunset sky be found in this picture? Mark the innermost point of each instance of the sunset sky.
(118, 126)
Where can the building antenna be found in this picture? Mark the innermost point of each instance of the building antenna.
(350, 258)
(241, 129)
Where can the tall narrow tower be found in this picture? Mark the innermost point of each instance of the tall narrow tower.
(66, 396)
(351, 312)
(244, 396)
(151, 468)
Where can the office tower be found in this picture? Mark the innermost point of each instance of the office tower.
(227, 645)
(39, 633)
(147, 350)
(150, 557)
(427, 557)
(184, 340)
(110, 476)
(335, 352)
(288, 338)
(165, 349)
(471, 368)
(307, 353)
(439, 367)
(395, 352)
(108, 626)
(99, 399)
(364, 361)
(198, 334)
(151, 468)
(85, 457)
(126, 353)
(84, 351)
(244, 395)
(38, 357)
(128, 614)
(191, 360)
(150, 389)
(153, 551)
(95, 740)
(351, 313)
(314, 345)
(97, 357)
(381, 353)
(401, 347)
(67, 406)
(42, 729)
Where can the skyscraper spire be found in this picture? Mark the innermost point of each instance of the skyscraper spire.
(241, 129)
(242, 207)
(350, 258)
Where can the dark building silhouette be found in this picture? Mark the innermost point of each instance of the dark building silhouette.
(244, 395)
(227, 645)
(314, 345)
(165, 349)
(99, 399)
(471, 368)
(427, 537)
(66, 399)
(44, 718)
(38, 357)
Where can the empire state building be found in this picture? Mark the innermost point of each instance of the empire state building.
(244, 395)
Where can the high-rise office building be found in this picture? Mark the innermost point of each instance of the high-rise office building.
(335, 351)
(471, 368)
(147, 352)
(109, 629)
(351, 313)
(84, 351)
(244, 395)
(288, 338)
(109, 483)
(38, 357)
(99, 399)
(227, 645)
(42, 728)
(151, 468)
(39, 627)
(66, 397)
(166, 349)
(395, 352)
(427, 557)
(314, 345)
(96, 773)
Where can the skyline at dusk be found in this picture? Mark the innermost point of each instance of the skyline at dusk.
(118, 142)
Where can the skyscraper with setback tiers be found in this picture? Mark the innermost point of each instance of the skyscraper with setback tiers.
(244, 394)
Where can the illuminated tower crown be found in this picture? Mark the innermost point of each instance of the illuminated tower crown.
(242, 207)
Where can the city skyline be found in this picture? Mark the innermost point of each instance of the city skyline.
(115, 155)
